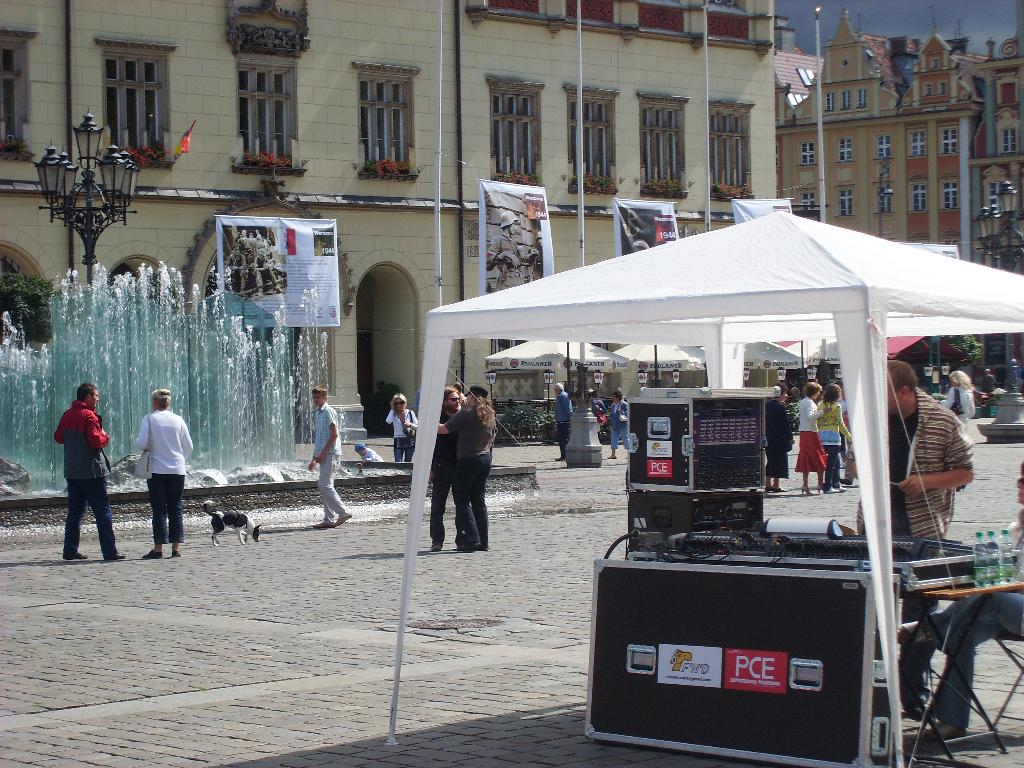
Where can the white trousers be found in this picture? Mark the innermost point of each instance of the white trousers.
(333, 508)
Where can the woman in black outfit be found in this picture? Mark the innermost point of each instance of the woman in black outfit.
(778, 441)
(474, 426)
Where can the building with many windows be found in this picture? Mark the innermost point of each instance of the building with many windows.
(898, 115)
(312, 108)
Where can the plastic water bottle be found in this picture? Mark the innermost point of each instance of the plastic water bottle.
(1007, 562)
(995, 572)
(980, 560)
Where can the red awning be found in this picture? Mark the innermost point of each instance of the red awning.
(896, 344)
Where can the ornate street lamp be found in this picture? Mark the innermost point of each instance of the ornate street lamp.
(997, 230)
(641, 378)
(491, 377)
(102, 196)
(675, 375)
(598, 378)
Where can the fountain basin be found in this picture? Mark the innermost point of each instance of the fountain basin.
(48, 510)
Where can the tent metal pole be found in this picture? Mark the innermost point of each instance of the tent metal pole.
(439, 300)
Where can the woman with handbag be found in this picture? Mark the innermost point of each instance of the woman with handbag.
(960, 397)
(403, 422)
(166, 445)
(618, 420)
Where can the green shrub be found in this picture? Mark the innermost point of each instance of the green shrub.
(27, 299)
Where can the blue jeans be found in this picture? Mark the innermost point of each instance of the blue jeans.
(563, 437)
(619, 432)
(468, 487)
(404, 447)
(831, 466)
(444, 474)
(92, 491)
(165, 498)
(1002, 611)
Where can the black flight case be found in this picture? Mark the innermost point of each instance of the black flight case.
(772, 665)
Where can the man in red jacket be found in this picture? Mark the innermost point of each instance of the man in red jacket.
(81, 433)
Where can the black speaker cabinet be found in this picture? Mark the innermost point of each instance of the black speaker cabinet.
(759, 664)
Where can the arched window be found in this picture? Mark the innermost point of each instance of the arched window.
(131, 266)
(13, 261)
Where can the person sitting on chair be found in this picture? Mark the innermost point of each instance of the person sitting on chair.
(1002, 612)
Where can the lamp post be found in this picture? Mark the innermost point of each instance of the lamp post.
(491, 377)
(641, 378)
(102, 196)
(549, 378)
(675, 375)
(998, 233)
(598, 378)
(885, 192)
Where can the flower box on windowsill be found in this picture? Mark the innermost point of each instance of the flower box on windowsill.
(15, 149)
(263, 163)
(388, 170)
(266, 170)
(594, 185)
(149, 157)
(730, 192)
(663, 188)
(516, 177)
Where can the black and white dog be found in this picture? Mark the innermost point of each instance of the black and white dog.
(240, 521)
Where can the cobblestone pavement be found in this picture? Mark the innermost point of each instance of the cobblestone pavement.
(280, 654)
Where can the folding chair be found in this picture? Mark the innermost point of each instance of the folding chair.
(1017, 658)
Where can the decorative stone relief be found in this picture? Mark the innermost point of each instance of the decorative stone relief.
(268, 28)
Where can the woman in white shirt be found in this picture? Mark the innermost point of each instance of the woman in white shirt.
(165, 435)
(403, 422)
(812, 454)
(960, 396)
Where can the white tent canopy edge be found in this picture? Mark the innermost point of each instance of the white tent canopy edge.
(965, 298)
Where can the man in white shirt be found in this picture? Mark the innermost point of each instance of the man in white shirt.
(325, 449)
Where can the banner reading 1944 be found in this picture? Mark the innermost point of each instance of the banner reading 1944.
(641, 224)
(279, 263)
(515, 235)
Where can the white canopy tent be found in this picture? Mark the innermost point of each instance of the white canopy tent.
(758, 354)
(775, 277)
(538, 355)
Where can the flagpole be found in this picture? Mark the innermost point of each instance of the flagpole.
(707, 125)
(439, 300)
(821, 129)
(579, 150)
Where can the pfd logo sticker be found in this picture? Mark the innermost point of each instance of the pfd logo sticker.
(697, 665)
(659, 449)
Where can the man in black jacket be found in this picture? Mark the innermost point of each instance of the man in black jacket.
(442, 470)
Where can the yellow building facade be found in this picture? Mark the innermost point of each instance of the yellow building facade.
(898, 116)
(341, 97)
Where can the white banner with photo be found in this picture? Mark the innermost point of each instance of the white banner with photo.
(515, 235)
(641, 224)
(745, 210)
(282, 264)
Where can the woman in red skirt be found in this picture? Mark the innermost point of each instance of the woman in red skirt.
(812, 454)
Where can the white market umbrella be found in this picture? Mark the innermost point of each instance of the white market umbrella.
(669, 356)
(758, 354)
(540, 355)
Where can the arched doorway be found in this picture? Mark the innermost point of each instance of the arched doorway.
(386, 332)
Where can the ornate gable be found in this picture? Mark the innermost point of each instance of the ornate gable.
(268, 27)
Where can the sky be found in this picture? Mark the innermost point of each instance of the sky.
(912, 18)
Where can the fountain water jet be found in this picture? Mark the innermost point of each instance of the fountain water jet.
(239, 375)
